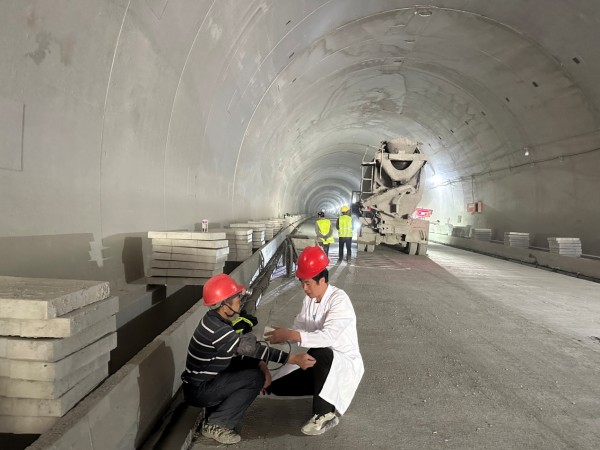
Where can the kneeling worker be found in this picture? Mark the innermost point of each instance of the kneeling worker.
(327, 325)
(225, 371)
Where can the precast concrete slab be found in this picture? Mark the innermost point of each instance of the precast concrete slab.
(178, 281)
(184, 257)
(52, 407)
(210, 236)
(240, 240)
(13, 387)
(161, 264)
(49, 371)
(195, 243)
(235, 231)
(191, 250)
(54, 349)
(64, 326)
(43, 298)
(188, 273)
(26, 424)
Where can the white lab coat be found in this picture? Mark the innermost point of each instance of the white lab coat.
(331, 323)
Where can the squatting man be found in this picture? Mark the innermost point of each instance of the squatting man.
(326, 325)
(226, 370)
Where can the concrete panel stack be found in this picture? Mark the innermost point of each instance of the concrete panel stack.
(55, 343)
(277, 225)
(258, 237)
(240, 242)
(565, 246)
(514, 239)
(258, 232)
(186, 258)
(269, 228)
(458, 231)
(482, 234)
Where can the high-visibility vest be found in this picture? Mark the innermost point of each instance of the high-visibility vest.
(324, 227)
(345, 224)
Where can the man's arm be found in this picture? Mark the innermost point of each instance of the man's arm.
(329, 233)
(318, 230)
(280, 335)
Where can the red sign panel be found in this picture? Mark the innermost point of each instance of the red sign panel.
(471, 207)
(423, 213)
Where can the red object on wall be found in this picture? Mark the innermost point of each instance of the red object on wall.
(471, 207)
(423, 213)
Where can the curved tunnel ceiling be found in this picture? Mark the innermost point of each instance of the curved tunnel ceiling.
(153, 114)
(471, 90)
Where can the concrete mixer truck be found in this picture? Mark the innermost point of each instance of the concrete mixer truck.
(391, 188)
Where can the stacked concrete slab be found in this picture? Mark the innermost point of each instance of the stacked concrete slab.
(459, 231)
(565, 246)
(514, 239)
(482, 234)
(258, 238)
(240, 242)
(266, 227)
(258, 232)
(55, 343)
(186, 258)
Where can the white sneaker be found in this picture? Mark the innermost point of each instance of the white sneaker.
(319, 424)
(220, 434)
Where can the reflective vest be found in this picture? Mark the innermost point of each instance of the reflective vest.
(345, 224)
(324, 227)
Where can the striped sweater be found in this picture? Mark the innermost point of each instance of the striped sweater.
(213, 346)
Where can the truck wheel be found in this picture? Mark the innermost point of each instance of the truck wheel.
(370, 248)
(422, 250)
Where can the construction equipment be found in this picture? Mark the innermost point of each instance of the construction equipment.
(391, 188)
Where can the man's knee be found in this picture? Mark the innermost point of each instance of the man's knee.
(324, 355)
(256, 379)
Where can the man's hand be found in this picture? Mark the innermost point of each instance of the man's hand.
(265, 370)
(244, 323)
(304, 360)
(280, 335)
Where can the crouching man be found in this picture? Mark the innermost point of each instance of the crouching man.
(327, 325)
(225, 371)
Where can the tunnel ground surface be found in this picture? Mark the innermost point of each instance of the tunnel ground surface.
(461, 351)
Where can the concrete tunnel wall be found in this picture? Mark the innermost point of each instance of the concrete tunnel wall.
(122, 116)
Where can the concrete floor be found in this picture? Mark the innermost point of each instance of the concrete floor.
(461, 351)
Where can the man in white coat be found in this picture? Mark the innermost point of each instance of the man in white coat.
(327, 325)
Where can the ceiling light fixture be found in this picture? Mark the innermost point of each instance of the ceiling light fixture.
(526, 151)
(423, 12)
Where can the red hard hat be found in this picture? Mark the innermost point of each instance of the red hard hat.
(220, 288)
(311, 262)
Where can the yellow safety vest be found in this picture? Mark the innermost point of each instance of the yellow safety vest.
(345, 224)
(324, 227)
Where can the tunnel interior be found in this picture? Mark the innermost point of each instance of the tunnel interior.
(124, 116)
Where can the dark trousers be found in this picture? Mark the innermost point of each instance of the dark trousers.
(309, 381)
(227, 396)
(325, 248)
(345, 241)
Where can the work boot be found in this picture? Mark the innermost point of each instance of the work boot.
(220, 434)
(320, 423)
